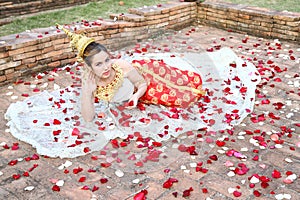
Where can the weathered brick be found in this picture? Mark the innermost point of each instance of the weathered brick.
(5, 60)
(26, 55)
(10, 64)
(4, 54)
(54, 64)
(8, 71)
(158, 21)
(28, 60)
(2, 78)
(216, 15)
(16, 51)
(293, 24)
(58, 41)
(13, 76)
(155, 17)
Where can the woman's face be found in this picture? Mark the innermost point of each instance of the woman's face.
(101, 65)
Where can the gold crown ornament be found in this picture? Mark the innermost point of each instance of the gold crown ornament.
(78, 41)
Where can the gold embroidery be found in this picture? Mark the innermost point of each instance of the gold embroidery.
(178, 102)
(168, 77)
(164, 97)
(190, 73)
(172, 93)
(173, 73)
(107, 92)
(159, 87)
(185, 78)
(186, 97)
(179, 81)
(154, 100)
(196, 79)
(156, 64)
(151, 91)
(162, 71)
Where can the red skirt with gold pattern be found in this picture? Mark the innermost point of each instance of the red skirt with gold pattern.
(169, 86)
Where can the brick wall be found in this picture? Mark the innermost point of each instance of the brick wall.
(13, 8)
(251, 20)
(44, 48)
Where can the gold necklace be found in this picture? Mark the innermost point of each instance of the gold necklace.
(108, 91)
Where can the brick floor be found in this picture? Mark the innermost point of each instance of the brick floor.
(180, 165)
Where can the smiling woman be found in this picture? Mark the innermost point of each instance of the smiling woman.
(90, 11)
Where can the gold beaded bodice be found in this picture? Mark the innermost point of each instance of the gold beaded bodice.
(108, 91)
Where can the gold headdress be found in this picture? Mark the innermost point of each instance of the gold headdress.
(78, 41)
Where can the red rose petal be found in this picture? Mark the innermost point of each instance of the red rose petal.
(82, 179)
(276, 174)
(56, 122)
(13, 162)
(16, 176)
(95, 188)
(237, 193)
(103, 180)
(56, 188)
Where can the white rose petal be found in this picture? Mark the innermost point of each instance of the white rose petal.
(288, 160)
(292, 177)
(221, 151)
(254, 180)
(186, 171)
(240, 137)
(2, 144)
(60, 183)
(44, 85)
(243, 181)
(244, 149)
(56, 87)
(29, 188)
(182, 167)
(193, 165)
(231, 190)
(279, 196)
(68, 163)
(231, 174)
(278, 146)
(14, 97)
(1, 173)
(9, 93)
(61, 167)
(119, 173)
(287, 196)
(136, 181)
(289, 115)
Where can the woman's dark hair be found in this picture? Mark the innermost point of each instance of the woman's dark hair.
(91, 50)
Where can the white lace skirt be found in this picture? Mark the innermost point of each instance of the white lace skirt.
(51, 122)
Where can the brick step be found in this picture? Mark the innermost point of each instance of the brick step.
(128, 17)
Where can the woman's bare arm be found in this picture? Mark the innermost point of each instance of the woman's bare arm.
(87, 96)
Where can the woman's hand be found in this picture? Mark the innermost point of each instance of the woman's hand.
(132, 102)
(89, 83)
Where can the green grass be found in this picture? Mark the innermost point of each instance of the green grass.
(279, 5)
(90, 11)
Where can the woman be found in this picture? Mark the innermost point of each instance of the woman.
(138, 96)
(106, 79)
